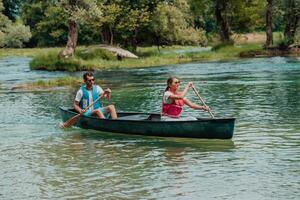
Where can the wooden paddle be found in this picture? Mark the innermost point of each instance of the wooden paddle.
(70, 122)
(197, 93)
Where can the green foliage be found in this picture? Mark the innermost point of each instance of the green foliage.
(148, 22)
(12, 8)
(246, 16)
(222, 46)
(12, 34)
(56, 82)
(4, 21)
(84, 59)
(48, 21)
(283, 44)
(95, 53)
(15, 35)
(170, 24)
(51, 62)
(52, 30)
(150, 57)
(202, 12)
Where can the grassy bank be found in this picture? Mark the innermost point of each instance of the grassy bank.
(44, 84)
(67, 81)
(29, 52)
(91, 58)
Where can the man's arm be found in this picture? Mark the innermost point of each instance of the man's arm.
(77, 100)
(77, 107)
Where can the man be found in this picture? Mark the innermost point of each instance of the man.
(87, 94)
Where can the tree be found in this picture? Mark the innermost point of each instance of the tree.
(12, 34)
(269, 15)
(203, 14)
(292, 18)
(74, 10)
(12, 8)
(171, 24)
(221, 7)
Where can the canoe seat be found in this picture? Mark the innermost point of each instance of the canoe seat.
(136, 117)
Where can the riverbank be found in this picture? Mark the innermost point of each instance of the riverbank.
(95, 58)
(66, 81)
(91, 58)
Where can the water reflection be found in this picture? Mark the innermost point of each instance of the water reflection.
(40, 161)
(104, 160)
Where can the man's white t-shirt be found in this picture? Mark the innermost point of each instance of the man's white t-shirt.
(79, 95)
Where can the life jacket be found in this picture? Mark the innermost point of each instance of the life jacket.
(173, 109)
(85, 100)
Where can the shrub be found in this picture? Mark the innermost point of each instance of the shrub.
(2, 39)
(222, 45)
(14, 35)
(95, 53)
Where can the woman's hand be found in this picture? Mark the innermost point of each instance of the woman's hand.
(107, 93)
(205, 108)
(190, 84)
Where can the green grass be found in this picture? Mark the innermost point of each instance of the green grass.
(68, 81)
(30, 52)
(87, 58)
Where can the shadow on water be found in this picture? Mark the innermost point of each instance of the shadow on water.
(204, 145)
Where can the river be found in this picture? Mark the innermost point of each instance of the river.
(38, 160)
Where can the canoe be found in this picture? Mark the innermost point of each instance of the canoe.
(150, 124)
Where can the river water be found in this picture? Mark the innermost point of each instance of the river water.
(38, 160)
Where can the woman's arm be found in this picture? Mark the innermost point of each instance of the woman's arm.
(181, 95)
(106, 94)
(195, 106)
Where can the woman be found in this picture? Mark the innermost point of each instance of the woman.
(173, 100)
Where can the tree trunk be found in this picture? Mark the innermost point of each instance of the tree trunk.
(69, 50)
(269, 31)
(220, 13)
(111, 36)
(106, 34)
(292, 18)
(134, 41)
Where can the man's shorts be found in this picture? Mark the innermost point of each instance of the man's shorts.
(89, 113)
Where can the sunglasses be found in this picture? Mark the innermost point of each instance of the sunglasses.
(90, 80)
(177, 82)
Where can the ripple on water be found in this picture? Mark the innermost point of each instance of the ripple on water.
(41, 161)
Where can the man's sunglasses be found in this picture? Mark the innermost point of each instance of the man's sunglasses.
(90, 80)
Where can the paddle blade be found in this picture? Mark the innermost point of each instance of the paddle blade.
(70, 122)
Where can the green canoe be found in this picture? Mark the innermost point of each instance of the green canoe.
(150, 124)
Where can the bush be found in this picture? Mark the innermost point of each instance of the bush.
(2, 39)
(283, 44)
(95, 53)
(51, 62)
(14, 35)
(191, 36)
(222, 45)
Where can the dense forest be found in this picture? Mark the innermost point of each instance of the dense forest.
(132, 23)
